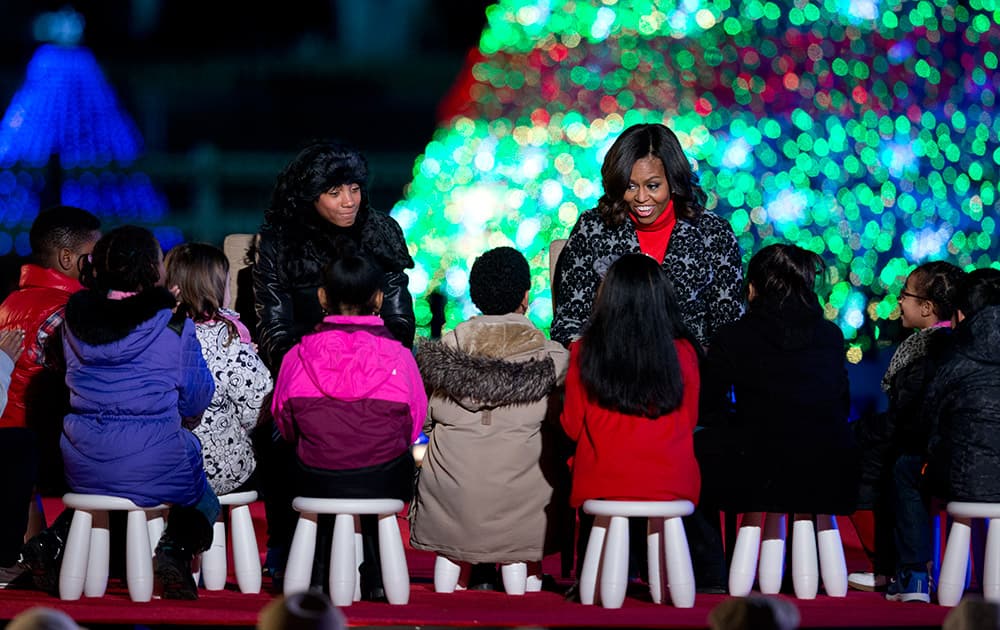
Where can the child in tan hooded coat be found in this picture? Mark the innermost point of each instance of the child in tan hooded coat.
(482, 496)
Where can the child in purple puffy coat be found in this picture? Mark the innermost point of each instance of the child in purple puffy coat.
(136, 379)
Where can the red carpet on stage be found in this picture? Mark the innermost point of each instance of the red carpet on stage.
(473, 608)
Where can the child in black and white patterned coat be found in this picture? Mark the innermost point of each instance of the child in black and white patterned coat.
(198, 274)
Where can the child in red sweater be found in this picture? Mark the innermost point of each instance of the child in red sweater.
(632, 394)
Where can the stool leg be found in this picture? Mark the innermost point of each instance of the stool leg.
(395, 576)
(772, 554)
(589, 574)
(680, 573)
(138, 557)
(246, 556)
(343, 561)
(446, 574)
(515, 577)
(832, 564)
(805, 569)
(213, 560)
(745, 552)
(655, 558)
(991, 562)
(614, 573)
(956, 558)
(76, 554)
(100, 550)
(298, 569)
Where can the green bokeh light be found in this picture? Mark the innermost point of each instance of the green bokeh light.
(867, 132)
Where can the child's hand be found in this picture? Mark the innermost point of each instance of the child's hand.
(12, 343)
(176, 292)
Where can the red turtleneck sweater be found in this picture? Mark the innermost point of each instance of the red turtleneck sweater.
(655, 237)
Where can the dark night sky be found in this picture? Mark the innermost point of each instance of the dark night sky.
(253, 82)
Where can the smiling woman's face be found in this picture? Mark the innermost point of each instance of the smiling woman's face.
(340, 204)
(648, 191)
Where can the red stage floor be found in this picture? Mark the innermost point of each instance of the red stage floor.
(476, 608)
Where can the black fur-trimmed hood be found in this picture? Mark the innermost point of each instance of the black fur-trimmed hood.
(96, 320)
(478, 382)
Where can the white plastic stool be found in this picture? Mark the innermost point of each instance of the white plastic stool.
(805, 568)
(951, 582)
(516, 580)
(606, 559)
(246, 557)
(85, 558)
(346, 553)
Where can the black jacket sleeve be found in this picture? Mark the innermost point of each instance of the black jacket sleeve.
(275, 310)
(397, 307)
(717, 376)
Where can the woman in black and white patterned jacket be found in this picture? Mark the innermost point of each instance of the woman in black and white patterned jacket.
(198, 275)
(652, 203)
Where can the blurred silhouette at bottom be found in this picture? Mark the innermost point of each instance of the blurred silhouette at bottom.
(309, 610)
(41, 618)
(973, 613)
(754, 613)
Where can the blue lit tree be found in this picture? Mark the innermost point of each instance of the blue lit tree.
(65, 139)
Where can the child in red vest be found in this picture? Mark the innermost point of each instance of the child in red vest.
(37, 399)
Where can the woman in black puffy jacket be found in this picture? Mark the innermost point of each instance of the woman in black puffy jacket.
(320, 207)
(319, 211)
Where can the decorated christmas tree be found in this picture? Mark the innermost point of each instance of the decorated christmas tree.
(64, 138)
(863, 130)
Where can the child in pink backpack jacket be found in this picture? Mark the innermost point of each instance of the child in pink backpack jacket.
(350, 399)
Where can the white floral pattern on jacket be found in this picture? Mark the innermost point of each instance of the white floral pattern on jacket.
(242, 383)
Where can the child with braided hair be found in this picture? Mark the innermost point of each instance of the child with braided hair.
(135, 374)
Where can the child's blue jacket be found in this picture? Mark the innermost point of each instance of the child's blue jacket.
(132, 378)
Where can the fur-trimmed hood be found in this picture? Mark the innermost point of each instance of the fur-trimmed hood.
(483, 371)
(95, 320)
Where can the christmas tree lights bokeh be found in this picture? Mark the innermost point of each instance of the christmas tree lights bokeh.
(67, 111)
(864, 130)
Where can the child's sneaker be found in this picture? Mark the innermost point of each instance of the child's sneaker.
(867, 581)
(910, 586)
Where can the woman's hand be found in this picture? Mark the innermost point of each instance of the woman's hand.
(12, 343)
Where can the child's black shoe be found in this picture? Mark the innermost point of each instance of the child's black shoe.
(41, 558)
(172, 569)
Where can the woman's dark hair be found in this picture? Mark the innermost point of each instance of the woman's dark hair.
(314, 171)
(628, 361)
(938, 282)
(784, 275)
(351, 282)
(125, 259)
(636, 143)
(498, 280)
(201, 273)
(979, 289)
